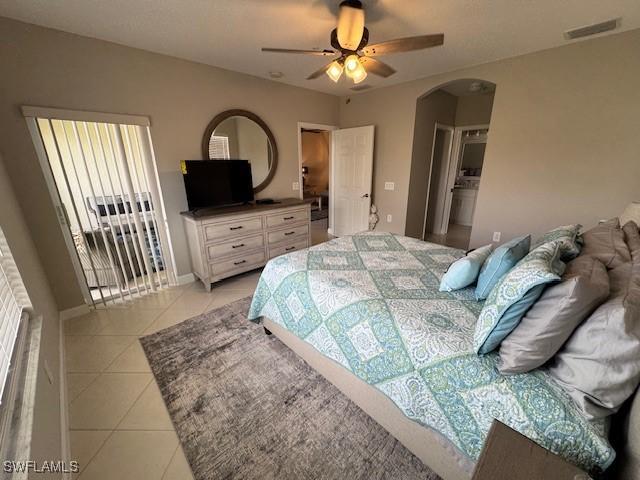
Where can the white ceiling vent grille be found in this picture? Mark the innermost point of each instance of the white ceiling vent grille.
(593, 29)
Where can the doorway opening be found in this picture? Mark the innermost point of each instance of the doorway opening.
(336, 172)
(104, 185)
(450, 135)
(314, 151)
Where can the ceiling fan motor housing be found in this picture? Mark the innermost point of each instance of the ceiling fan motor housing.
(336, 44)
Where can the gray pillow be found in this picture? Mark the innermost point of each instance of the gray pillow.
(606, 243)
(552, 319)
(600, 364)
(632, 237)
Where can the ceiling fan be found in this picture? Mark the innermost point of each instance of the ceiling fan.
(355, 56)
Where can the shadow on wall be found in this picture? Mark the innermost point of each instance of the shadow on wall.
(442, 114)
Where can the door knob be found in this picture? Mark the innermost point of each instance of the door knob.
(366, 195)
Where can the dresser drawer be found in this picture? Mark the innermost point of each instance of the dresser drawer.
(293, 247)
(234, 247)
(285, 218)
(237, 265)
(287, 233)
(216, 231)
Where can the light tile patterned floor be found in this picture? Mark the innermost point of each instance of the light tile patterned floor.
(120, 428)
(457, 236)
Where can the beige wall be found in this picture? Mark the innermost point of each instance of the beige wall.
(440, 107)
(563, 144)
(45, 444)
(315, 155)
(474, 109)
(45, 67)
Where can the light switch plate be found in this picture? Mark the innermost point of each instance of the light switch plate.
(389, 218)
(496, 236)
(389, 185)
(295, 186)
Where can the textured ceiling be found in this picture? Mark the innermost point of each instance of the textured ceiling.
(229, 33)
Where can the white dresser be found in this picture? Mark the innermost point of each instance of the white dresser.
(226, 241)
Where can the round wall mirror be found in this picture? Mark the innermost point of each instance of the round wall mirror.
(242, 135)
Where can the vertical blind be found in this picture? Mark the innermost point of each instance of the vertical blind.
(219, 147)
(13, 300)
(108, 187)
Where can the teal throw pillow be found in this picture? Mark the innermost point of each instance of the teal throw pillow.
(503, 259)
(464, 271)
(514, 294)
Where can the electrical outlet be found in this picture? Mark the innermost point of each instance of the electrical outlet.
(295, 186)
(496, 236)
(389, 185)
(389, 218)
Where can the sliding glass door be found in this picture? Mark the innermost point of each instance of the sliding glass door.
(109, 204)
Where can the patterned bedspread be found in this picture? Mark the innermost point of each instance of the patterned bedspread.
(371, 303)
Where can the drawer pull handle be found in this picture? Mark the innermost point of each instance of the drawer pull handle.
(235, 228)
(289, 248)
(289, 218)
(237, 246)
(289, 233)
(240, 262)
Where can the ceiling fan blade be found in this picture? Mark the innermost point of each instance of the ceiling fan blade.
(321, 53)
(404, 45)
(320, 72)
(350, 24)
(377, 67)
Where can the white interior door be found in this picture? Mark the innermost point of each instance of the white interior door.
(351, 174)
(436, 212)
(454, 168)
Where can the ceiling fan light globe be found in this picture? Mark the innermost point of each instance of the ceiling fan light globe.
(335, 71)
(351, 63)
(359, 74)
(350, 25)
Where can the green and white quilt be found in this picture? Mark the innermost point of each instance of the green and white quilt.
(371, 303)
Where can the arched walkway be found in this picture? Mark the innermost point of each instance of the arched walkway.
(450, 129)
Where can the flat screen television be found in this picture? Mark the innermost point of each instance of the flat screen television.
(217, 183)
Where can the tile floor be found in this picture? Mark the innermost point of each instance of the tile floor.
(457, 236)
(119, 426)
(319, 232)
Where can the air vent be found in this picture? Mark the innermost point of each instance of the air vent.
(594, 29)
(359, 88)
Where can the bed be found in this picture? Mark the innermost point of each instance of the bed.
(365, 311)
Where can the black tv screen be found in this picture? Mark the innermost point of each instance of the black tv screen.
(215, 183)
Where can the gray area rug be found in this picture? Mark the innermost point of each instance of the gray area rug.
(245, 406)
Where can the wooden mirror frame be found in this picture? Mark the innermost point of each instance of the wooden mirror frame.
(218, 119)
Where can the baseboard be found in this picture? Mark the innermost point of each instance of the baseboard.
(186, 278)
(74, 312)
(65, 440)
